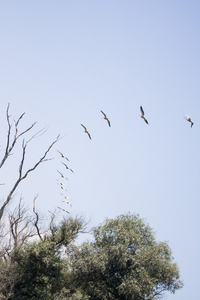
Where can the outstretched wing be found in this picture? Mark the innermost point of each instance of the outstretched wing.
(83, 126)
(65, 165)
(89, 135)
(142, 111)
(60, 153)
(60, 173)
(103, 113)
(63, 209)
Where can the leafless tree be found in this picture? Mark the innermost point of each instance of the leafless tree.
(21, 227)
(10, 144)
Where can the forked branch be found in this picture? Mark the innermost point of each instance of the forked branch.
(21, 176)
(10, 144)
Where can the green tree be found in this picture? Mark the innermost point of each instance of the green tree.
(41, 269)
(39, 272)
(125, 262)
(7, 278)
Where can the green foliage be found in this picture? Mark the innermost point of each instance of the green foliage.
(125, 262)
(39, 273)
(7, 277)
(70, 295)
(66, 231)
(42, 273)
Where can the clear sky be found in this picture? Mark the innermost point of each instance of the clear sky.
(62, 62)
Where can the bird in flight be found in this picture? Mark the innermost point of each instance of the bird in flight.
(65, 197)
(62, 186)
(189, 120)
(142, 115)
(62, 155)
(106, 118)
(66, 166)
(67, 202)
(86, 131)
(62, 175)
(63, 209)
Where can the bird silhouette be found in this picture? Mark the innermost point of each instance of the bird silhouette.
(142, 115)
(66, 166)
(86, 131)
(62, 155)
(67, 202)
(62, 175)
(64, 197)
(189, 120)
(62, 185)
(63, 209)
(106, 118)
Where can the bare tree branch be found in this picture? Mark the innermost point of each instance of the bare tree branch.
(39, 133)
(19, 230)
(22, 177)
(37, 219)
(10, 145)
(9, 129)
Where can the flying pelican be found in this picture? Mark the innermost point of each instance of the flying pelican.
(63, 209)
(106, 118)
(67, 202)
(63, 155)
(67, 167)
(86, 131)
(142, 115)
(65, 197)
(62, 185)
(63, 188)
(62, 175)
(189, 120)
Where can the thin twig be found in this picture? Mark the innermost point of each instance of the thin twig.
(22, 177)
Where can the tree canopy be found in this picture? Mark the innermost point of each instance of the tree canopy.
(43, 261)
(125, 262)
(38, 269)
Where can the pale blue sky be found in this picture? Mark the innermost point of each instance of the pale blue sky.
(62, 62)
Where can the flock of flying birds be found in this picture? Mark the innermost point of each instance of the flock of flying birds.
(62, 186)
(142, 116)
(105, 117)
